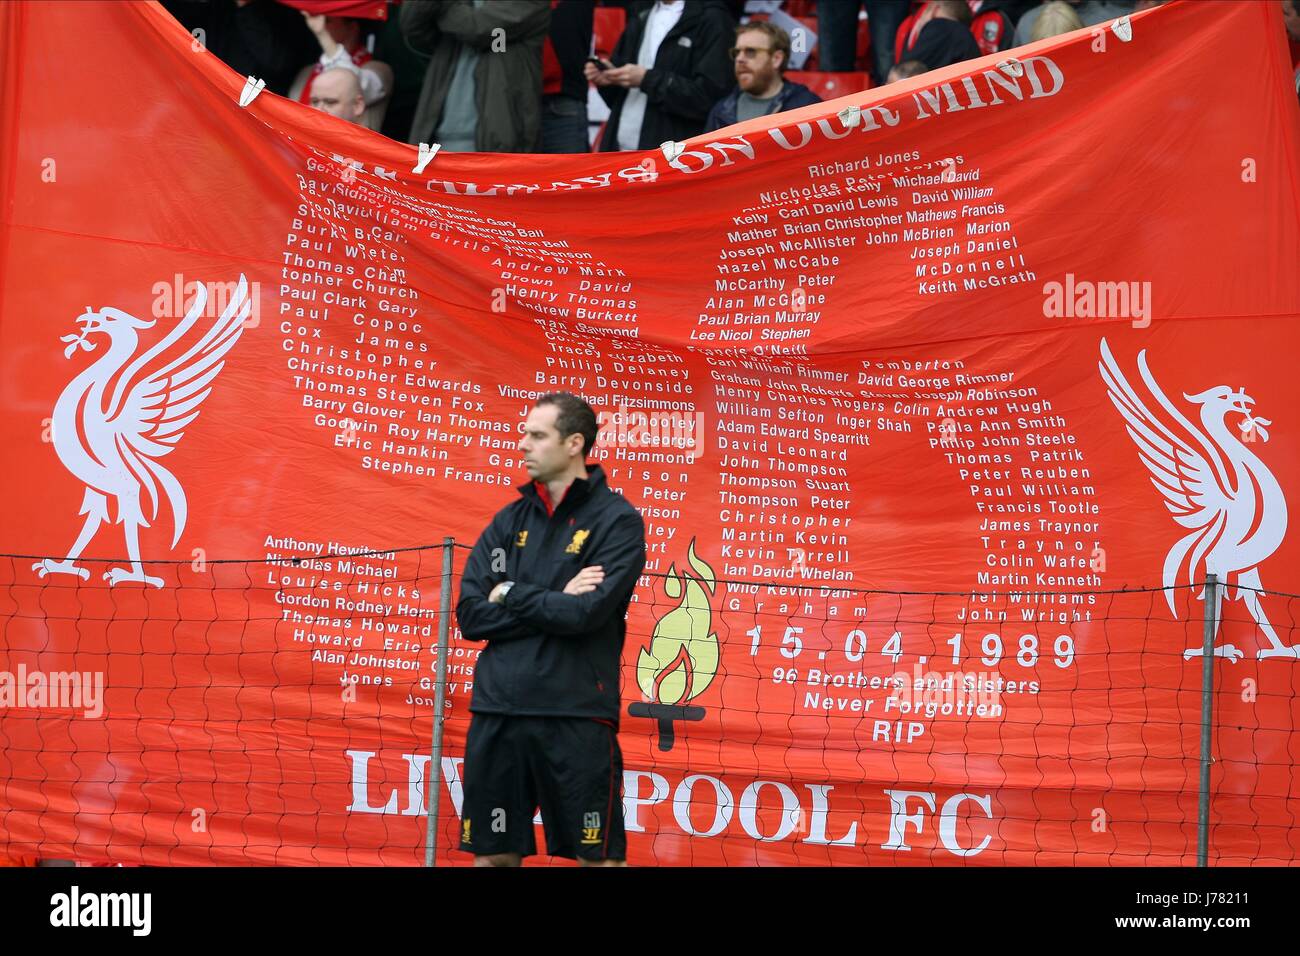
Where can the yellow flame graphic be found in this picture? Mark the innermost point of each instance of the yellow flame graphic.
(683, 654)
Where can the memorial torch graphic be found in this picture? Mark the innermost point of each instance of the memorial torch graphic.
(682, 659)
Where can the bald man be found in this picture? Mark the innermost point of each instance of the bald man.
(338, 92)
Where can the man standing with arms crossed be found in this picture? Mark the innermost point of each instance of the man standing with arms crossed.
(547, 586)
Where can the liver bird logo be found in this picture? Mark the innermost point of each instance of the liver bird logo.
(1215, 487)
(112, 441)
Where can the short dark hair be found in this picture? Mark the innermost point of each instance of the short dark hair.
(909, 68)
(958, 10)
(574, 416)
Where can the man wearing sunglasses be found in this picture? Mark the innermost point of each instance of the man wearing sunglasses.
(760, 56)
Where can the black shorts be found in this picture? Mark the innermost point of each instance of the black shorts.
(569, 766)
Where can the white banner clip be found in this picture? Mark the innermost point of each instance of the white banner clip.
(427, 153)
(671, 150)
(252, 87)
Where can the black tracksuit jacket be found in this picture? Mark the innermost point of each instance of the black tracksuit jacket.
(691, 73)
(551, 654)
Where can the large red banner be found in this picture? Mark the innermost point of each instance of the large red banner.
(941, 403)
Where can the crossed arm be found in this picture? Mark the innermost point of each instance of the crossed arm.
(587, 601)
(423, 21)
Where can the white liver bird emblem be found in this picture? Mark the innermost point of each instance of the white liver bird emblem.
(112, 443)
(1214, 486)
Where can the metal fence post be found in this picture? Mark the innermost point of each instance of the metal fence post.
(433, 779)
(1207, 714)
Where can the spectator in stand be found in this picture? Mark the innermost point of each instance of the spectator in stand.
(341, 44)
(337, 91)
(669, 68)
(483, 88)
(992, 25)
(1291, 20)
(408, 68)
(564, 83)
(944, 37)
(1090, 14)
(837, 34)
(260, 38)
(1056, 18)
(901, 71)
(761, 53)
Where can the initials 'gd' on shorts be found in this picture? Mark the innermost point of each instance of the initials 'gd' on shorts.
(571, 767)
